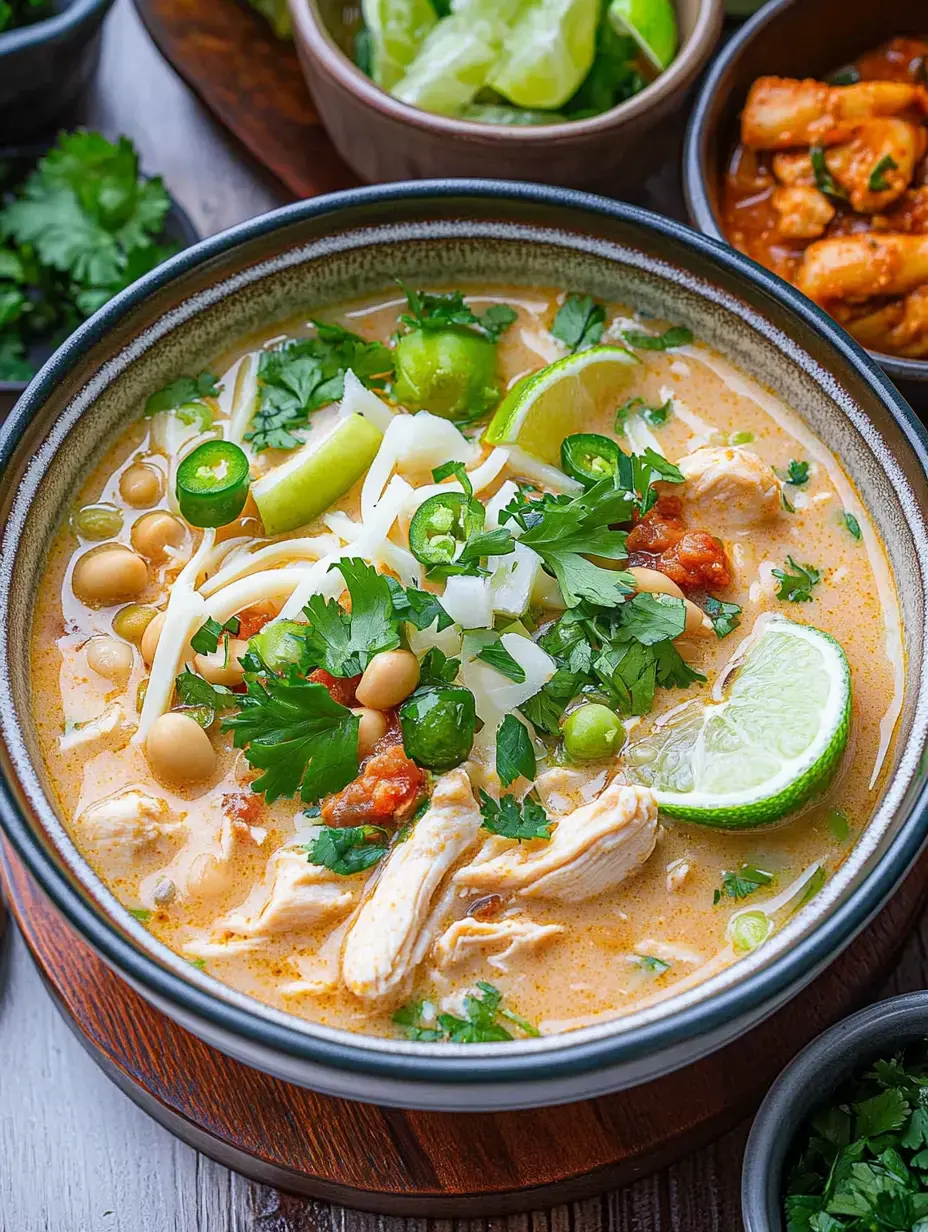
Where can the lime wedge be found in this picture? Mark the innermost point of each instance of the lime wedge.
(547, 53)
(563, 398)
(453, 64)
(653, 26)
(767, 748)
(304, 486)
(397, 29)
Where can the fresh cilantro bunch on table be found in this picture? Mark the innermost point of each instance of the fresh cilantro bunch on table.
(429, 310)
(14, 13)
(78, 228)
(304, 374)
(480, 1024)
(860, 1164)
(620, 655)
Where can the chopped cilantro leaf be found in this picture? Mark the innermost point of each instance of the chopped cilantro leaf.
(419, 607)
(824, 180)
(206, 639)
(192, 690)
(294, 732)
(459, 470)
(650, 618)
(515, 752)
(797, 473)
(142, 914)
(479, 1025)
(656, 416)
(796, 583)
(742, 883)
(344, 643)
(647, 962)
(676, 336)
(435, 668)
(304, 374)
(348, 849)
(852, 524)
(184, 389)
(499, 658)
(510, 819)
(448, 310)
(579, 322)
(725, 617)
(878, 181)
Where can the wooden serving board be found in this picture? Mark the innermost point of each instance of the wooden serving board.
(427, 1163)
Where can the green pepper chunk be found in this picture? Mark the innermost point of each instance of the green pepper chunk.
(212, 484)
(450, 372)
(281, 644)
(442, 525)
(589, 457)
(438, 726)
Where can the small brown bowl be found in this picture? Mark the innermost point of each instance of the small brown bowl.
(789, 38)
(384, 139)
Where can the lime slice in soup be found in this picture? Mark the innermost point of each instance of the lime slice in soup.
(547, 53)
(453, 64)
(768, 746)
(315, 476)
(653, 26)
(397, 30)
(564, 398)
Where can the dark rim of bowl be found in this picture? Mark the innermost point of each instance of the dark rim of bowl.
(844, 1048)
(695, 150)
(512, 1064)
(177, 225)
(50, 28)
(685, 65)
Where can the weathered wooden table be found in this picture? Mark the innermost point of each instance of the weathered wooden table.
(75, 1154)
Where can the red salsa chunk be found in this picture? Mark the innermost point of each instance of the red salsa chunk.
(341, 688)
(694, 559)
(387, 788)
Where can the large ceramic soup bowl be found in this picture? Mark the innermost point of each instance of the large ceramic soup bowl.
(593, 956)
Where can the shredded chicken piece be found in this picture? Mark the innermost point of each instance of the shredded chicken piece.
(396, 925)
(856, 268)
(803, 212)
(592, 849)
(782, 112)
(497, 941)
(729, 487)
(295, 895)
(127, 822)
(563, 788)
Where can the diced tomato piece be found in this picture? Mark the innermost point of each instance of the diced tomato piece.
(694, 559)
(246, 808)
(388, 785)
(341, 688)
(253, 619)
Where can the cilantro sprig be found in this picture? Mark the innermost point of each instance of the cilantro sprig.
(207, 638)
(512, 819)
(675, 336)
(579, 322)
(515, 753)
(797, 581)
(304, 374)
(343, 643)
(480, 1024)
(430, 311)
(347, 850)
(742, 883)
(184, 389)
(725, 617)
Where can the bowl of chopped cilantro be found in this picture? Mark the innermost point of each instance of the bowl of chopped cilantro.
(49, 50)
(77, 224)
(840, 1144)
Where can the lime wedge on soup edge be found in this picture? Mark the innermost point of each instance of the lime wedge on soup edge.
(653, 26)
(766, 748)
(561, 399)
(398, 29)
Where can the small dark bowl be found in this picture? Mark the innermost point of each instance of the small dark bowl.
(45, 66)
(788, 38)
(806, 1083)
(178, 229)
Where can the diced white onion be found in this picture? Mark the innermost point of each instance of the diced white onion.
(546, 593)
(496, 695)
(416, 443)
(359, 400)
(513, 580)
(448, 641)
(467, 602)
(496, 504)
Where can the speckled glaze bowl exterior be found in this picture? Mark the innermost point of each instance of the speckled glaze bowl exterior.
(805, 1084)
(788, 38)
(383, 139)
(319, 251)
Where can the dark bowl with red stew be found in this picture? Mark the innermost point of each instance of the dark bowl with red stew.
(822, 192)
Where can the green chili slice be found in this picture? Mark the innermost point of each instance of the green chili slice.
(212, 484)
(442, 525)
(589, 457)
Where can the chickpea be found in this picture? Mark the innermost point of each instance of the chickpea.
(212, 667)
(108, 575)
(698, 623)
(151, 637)
(372, 727)
(132, 621)
(179, 750)
(141, 485)
(388, 679)
(110, 658)
(153, 532)
(592, 731)
(653, 582)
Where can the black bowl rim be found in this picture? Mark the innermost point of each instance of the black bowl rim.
(850, 1043)
(423, 1063)
(50, 28)
(176, 218)
(698, 136)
